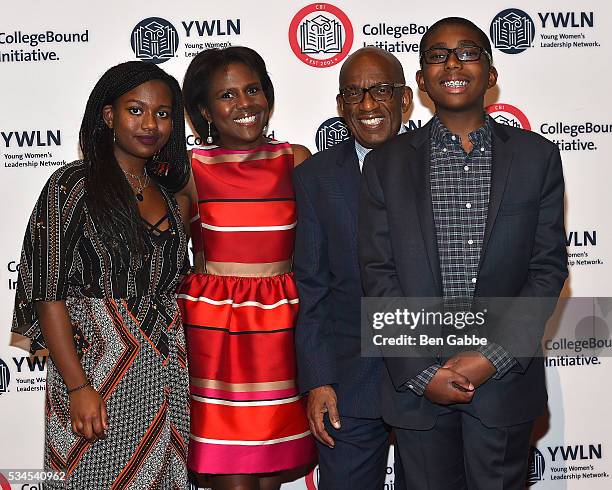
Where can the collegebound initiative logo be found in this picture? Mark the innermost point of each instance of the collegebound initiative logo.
(509, 115)
(154, 40)
(331, 132)
(321, 35)
(5, 377)
(512, 31)
(537, 465)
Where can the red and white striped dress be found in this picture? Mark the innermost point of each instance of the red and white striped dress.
(246, 412)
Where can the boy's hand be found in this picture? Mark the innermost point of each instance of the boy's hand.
(473, 365)
(448, 387)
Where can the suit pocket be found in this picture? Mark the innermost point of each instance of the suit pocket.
(513, 208)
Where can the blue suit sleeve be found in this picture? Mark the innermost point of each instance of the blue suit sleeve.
(521, 330)
(314, 335)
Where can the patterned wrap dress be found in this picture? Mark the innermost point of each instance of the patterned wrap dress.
(247, 415)
(128, 334)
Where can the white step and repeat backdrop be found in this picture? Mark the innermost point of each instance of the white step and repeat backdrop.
(553, 61)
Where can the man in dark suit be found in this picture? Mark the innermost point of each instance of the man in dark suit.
(340, 383)
(465, 209)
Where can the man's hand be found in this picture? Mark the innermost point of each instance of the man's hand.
(473, 365)
(448, 387)
(322, 400)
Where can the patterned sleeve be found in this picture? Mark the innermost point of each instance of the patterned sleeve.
(51, 237)
(419, 383)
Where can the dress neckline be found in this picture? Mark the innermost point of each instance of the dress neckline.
(153, 228)
(267, 142)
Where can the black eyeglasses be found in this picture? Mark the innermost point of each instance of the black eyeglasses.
(435, 56)
(381, 92)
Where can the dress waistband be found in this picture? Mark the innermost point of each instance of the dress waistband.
(238, 269)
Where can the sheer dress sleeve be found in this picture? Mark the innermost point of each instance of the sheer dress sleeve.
(47, 257)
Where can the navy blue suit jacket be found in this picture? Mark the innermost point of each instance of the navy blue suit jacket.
(523, 255)
(327, 335)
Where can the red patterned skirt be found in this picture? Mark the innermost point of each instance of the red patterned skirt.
(246, 412)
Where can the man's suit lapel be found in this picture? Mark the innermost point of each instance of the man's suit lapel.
(348, 176)
(502, 160)
(417, 166)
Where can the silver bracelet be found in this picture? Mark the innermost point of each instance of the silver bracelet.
(80, 387)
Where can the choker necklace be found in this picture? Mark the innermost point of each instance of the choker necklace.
(142, 182)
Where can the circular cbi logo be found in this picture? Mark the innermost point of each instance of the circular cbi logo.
(509, 115)
(5, 377)
(512, 31)
(154, 40)
(535, 472)
(331, 132)
(321, 35)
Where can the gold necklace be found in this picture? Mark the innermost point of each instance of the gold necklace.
(142, 182)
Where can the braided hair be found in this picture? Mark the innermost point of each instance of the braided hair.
(109, 197)
(203, 68)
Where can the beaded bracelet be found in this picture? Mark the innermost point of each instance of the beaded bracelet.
(80, 387)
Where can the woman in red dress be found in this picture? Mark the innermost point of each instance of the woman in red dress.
(248, 422)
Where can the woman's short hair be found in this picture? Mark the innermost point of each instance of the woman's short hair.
(203, 68)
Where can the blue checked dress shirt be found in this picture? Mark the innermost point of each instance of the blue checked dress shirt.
(460, 184)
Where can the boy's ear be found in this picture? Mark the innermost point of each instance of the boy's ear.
(406, 99)
(492, 77)
(420, 81)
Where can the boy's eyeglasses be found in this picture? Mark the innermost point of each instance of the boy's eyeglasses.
(435, 56)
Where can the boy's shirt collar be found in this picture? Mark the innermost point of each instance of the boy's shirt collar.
(442, 137)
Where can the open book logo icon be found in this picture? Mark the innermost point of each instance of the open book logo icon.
(537, 465)
(512, 31)
(332, 132)
(154, 40)
(321, 35)
(5, 377)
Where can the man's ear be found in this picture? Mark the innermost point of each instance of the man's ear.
(406, 99)
(107, 115)
(340, 105)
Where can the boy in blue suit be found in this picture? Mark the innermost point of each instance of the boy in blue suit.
(460, 209)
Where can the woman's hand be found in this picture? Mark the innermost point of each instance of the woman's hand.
(87, 409)
(88, 414)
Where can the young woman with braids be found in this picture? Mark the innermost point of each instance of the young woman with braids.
(103, 253)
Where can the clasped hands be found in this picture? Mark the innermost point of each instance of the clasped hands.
(456, 381)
